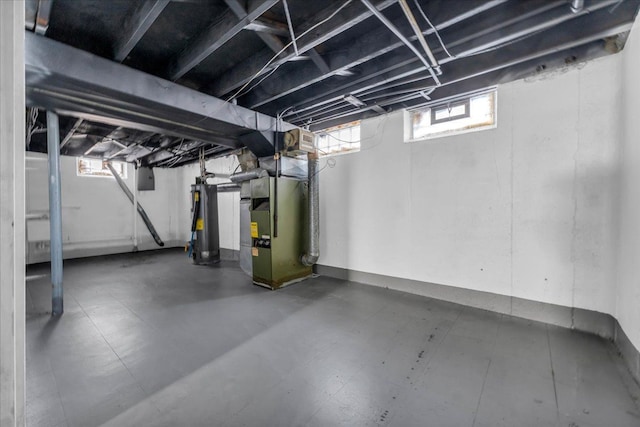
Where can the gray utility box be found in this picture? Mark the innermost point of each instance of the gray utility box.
(146, 180)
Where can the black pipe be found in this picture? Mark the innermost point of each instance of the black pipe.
(141, 211)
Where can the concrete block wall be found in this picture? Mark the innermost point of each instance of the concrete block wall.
(526, 210)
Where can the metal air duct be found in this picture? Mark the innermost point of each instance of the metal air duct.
(313, 251)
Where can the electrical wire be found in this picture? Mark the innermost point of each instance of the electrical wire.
(260, 81)
(32, 120)
(330, 163)
(273, 58)
(435, 30)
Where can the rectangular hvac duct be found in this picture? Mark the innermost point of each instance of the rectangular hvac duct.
(80, 84)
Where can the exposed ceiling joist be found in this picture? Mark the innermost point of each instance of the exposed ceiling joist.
(264, 29)
(215, 37)
(367, 47)
(336, 23)
(136, 26)
(266, 26)
(475, 75)
(70, 133)
(318, 61)
(345, 65)
(42, 16)
(267, 31)
(30, 14)
(398, 66)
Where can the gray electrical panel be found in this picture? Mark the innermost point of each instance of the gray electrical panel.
(146, 179)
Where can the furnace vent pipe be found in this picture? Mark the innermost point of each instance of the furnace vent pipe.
(228, 187)
(248, 175)
(313, 222)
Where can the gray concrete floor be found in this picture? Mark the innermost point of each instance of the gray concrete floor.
(150, 340)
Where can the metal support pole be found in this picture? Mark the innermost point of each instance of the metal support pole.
(55, 212)
(135, 207)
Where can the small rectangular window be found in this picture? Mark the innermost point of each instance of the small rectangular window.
(452, 111)
(339, 139)
(471, 113)
(98, 167)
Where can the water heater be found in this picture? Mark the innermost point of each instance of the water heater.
(204, 247)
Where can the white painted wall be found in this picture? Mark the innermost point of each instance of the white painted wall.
(97, 217)
(525, 210)
(628, 295)
(12, 210)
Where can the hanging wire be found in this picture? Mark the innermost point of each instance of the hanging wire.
(435, 30)
(257, 74)
(32, 119)
(273, 58)
(266, 76)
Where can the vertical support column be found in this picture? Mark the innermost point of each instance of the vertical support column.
(135, 207)
(55, 212)
(12, 215)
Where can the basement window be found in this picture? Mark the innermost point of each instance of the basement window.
(339, 139)
(98, 167)
(460, 115)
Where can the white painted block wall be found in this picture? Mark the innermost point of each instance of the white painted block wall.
(526, 209)
(97, 217)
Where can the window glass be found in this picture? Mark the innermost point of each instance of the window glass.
(339, 139)
(98, 167)
(462, 115)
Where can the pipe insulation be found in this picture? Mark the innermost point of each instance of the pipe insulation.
(313, 223)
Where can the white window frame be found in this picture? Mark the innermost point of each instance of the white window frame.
(431, 107)
(121, 168)
(331, 134)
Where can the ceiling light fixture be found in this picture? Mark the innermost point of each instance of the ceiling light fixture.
(354, 101)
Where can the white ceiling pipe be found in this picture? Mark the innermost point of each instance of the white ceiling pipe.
(402, 38)
(418, 31)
